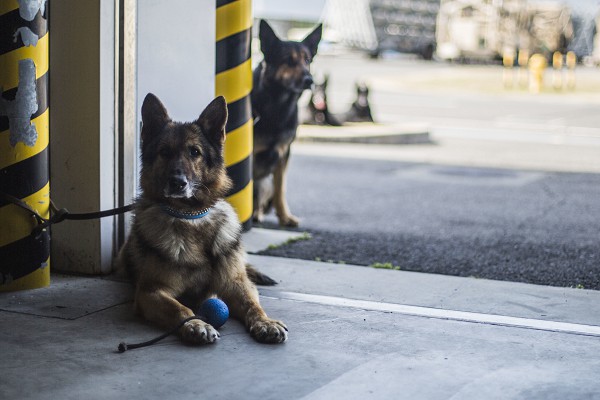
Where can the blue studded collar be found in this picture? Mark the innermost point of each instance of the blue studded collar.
(184, 214)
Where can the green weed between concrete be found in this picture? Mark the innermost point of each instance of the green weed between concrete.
(303, 236)
(386, 265)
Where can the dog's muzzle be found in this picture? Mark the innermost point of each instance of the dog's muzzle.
(307, 82)
(177, 186)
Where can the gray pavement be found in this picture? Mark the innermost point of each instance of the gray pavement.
(380, 204)
(354, 333)
(366, 133)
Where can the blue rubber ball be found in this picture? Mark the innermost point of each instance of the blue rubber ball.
(215, 311)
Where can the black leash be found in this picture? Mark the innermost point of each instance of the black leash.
(123, 347)
(60, 215)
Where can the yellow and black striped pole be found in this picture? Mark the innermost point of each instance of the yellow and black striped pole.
(24, 260)
(234, 81)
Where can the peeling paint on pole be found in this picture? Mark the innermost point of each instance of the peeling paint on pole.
(20, 110)
(27, 36)
(29, 8)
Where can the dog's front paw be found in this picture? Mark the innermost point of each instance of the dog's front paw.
(198, 332)
(269, 331)
(289, 221)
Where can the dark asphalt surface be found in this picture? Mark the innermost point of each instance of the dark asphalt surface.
(525, 226)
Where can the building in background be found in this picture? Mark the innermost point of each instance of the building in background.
(482, 29)
(448, 29)
(595, 57)
(584, 15)
(487, 29)
(547, 27)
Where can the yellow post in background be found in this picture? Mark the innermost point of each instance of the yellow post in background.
(557, 65)
(537, 67)
(234, 82)
(24, 122)
(523, 75)
(508, 60)
(571, 64)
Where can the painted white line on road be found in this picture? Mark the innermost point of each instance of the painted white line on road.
(428, 312)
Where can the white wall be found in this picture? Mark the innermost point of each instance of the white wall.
(176, 55)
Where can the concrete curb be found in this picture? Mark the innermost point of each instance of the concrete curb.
(367, 133)
(259, 239)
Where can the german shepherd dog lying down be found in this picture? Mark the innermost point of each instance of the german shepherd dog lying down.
(278, 82)
(185, 241)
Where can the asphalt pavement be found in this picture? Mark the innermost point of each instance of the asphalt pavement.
(497, 223)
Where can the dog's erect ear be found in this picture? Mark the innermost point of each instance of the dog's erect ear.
(313, 39)
(268, 38)
(154, 116)
(213, 119)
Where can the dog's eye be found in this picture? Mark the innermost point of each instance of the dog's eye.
(194, 152)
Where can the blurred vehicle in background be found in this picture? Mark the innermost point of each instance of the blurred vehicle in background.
(376, 26)
(406, 26)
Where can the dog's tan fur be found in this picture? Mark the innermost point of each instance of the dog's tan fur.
(176, 263)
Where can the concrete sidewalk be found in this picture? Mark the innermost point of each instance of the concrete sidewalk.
(355, 333)
(367, 133)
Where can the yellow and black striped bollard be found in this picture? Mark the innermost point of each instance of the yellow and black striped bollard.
(234, 81)
(24, 122)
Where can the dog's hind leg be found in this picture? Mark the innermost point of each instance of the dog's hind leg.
(279, 201)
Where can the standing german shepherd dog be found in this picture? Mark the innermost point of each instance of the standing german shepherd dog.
(279, 80)
(185, 244)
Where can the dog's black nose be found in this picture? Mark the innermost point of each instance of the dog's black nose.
(307, 81)
(177, 183)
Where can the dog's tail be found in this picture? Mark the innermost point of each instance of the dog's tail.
(258, 277)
